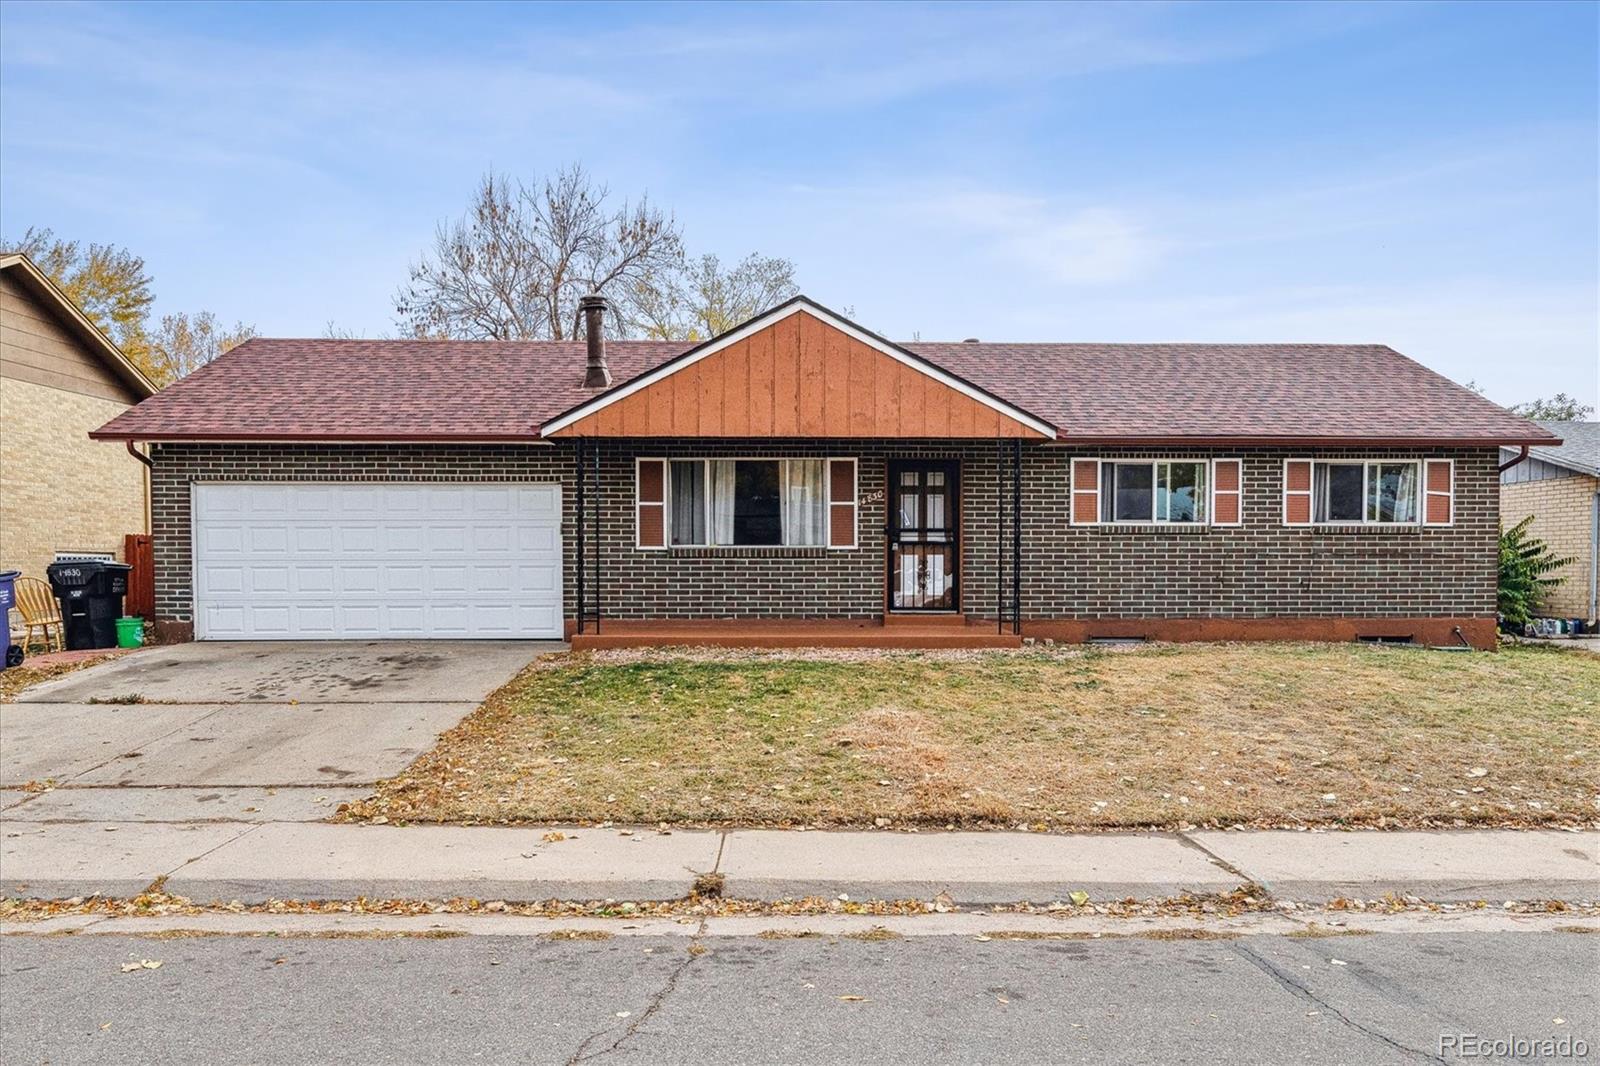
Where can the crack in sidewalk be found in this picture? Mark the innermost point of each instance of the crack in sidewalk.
(1294, 987)
(189, 724)
(159, 884)
(1245, 875)
(694, 951)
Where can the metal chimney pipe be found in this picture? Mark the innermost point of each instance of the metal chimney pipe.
(596, 374)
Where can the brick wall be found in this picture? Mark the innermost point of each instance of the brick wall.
(62, 491)
(1071, 575)
(1563, 510)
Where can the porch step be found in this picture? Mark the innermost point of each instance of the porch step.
(927, 621)
(790, 634)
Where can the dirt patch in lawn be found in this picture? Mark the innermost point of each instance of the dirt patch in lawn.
(1047, 739)
(18, 678)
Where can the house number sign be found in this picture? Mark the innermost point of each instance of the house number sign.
(874, 496)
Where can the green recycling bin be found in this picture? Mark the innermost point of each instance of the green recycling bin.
(130, 632)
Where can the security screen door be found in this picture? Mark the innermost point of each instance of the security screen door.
(924, 534)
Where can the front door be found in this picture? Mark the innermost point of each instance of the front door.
(924, 534)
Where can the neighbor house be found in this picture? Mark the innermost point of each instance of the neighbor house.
(801, 480)
(1559, 485)
(61, 377)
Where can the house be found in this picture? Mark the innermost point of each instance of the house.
(800, 479)
(60, 377)
(1559, 485)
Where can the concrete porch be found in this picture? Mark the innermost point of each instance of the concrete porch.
(897, 631)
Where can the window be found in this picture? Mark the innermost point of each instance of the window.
(1364, 493)
(1165, 492)
(747, 502)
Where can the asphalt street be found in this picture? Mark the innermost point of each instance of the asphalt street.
(1382, 998)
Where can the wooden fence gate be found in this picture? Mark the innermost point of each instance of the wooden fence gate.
(137, 552)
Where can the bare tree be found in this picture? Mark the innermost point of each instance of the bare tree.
(703, 300)
(1558, 408)
(514, 266)
(183, 344)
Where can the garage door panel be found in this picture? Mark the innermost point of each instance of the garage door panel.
(449, 540)
(355, 561)
(358, 538)
(265, 580)
(541, 578)
(314, 580)
(221, 539)
(357, 580)
(403, 580)
(314, 538)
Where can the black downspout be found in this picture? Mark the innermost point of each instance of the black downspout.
(580, 534)
(1016, 535)
(1000, 536)
(598, 544)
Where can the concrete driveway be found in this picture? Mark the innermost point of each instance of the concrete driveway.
(239, 731)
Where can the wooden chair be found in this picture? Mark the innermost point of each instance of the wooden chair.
(40, 610)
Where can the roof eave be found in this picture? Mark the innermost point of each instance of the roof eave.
(156, 437)
(1286, 440)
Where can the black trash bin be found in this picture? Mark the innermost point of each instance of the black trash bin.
(91, 594)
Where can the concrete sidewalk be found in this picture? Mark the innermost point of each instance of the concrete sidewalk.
(227, 861)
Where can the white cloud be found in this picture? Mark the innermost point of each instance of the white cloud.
(1071, 246)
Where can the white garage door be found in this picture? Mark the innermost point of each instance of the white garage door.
(337, 561)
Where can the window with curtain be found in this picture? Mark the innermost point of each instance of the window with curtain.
(1361, 492)
(748, 502)
(1153, 491)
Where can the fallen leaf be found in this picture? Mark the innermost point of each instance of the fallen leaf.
(142, 964)
(1079, 898)
(853, 999)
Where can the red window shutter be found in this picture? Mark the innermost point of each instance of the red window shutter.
(1227, 492)
(1085, 492)
(651, 502)
(1297, 492)
(842, 503)
(1439, 500)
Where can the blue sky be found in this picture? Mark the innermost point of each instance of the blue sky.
(1418, 175)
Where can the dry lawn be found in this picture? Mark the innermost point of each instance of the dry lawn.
(14, 680)
(1050, 738)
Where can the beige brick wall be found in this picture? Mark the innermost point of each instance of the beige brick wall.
(59, 490)
(1563, 510)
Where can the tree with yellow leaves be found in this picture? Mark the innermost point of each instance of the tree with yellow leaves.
(110, 285)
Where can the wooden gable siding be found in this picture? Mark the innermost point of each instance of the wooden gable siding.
(799, 377)
(36, 347)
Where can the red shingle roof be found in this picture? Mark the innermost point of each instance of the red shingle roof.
(485, 390)
(1232, 391)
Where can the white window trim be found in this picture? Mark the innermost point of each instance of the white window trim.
(1157, 523)
(639, 505)
(854, 502)
(1364, 522)
(1211, 515)
(1449, 494)
(706, 462)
